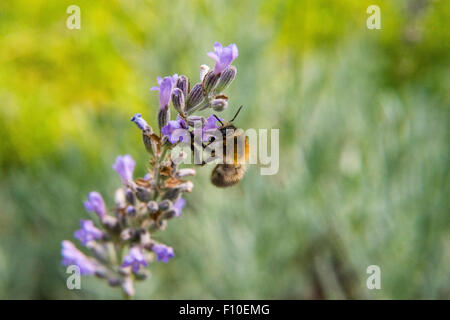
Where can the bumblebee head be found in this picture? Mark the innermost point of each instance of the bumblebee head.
(227, 125)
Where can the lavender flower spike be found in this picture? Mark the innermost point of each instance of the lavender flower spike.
(124, 166)
(223, 56)
(140, 122)
(72, 256)
(88, 232)
(163, 252)
(96, 204)
(165, 87)
(121, 243)
(135, 259)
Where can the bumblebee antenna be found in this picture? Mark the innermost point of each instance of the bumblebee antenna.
(239, 110)
(218, 119)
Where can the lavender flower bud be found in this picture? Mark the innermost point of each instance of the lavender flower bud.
(186, 187)
(131, 211)
(88, 232)
(120, 199)
(219, 104)
(131, 198)
(183, 85)
(135, 259)
(165, 141)
(209, 82)
(128, 287)
(168, 214)
(179, 157)
(172, 194)
(141, 275)
(146, 241)
(203, 71)
(157, 225)
(178, 100)
(143, 194)
(125, 271)
(165, 205)
(96, 204)
(163, 252)
(165, 87)
(163, 116)
(110, 223)
(140, 122)
(124, 166)
(195, 96)
(114, 281)
(149, 144)
(178, 206)
(127, 234)
(71, 255)
(175, 210)
(162, 225)
(152, 207)
(185, 172)
(226, 78)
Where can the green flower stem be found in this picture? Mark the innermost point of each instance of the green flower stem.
(203, 104)
(157, 167)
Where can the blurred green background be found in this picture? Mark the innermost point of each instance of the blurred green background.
(364, 144)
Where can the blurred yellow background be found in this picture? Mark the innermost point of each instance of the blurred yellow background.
(364, 144)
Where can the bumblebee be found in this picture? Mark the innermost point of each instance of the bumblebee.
(233, 168)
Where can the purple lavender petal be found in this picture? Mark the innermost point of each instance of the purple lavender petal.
(209, 128)
(163, 252)
(165, 87)
(96, 204)
(175, 130)
(178, 206)
(124, 166)
(72, 256)
(223, 56)
(88, 232)
(135, 259)
(211, 123)
(140, 122)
